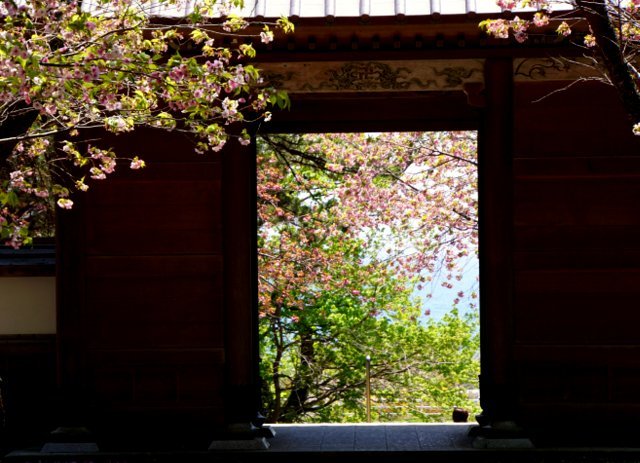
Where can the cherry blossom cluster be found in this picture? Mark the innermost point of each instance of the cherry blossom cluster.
(27, 193)
(351, 212)
(519, 28)
(620, 36)
(67, 69)
(623, 14)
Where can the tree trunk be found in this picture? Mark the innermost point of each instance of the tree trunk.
(611, 55)
(295, 405)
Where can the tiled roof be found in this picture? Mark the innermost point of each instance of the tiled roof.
(351, 8)
(337, 8)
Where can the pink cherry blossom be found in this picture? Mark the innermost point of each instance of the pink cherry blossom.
(65, 203)
(137, 163)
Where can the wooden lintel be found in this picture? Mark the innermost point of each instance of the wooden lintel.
(373, 76)
(413, 75)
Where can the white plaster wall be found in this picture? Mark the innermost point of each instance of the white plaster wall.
(27, 305)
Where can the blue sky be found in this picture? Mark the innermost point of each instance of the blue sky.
(442, 299)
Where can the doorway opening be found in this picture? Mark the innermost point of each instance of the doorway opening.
(368, 276)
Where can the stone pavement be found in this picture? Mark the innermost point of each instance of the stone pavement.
(370, 437)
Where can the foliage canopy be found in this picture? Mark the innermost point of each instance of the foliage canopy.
(70, 67)
(350, 226)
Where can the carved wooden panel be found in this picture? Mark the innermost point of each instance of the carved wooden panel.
(373, 76)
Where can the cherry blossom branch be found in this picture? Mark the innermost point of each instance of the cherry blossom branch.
(611, 55)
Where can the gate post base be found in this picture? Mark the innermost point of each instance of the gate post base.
(500, 435)
(243, 436)
(70, 440)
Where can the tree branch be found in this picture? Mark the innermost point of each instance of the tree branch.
(611, 55)
(19, 118)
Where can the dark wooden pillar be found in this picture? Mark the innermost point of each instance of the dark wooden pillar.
(240, 281)
(71, 397)
(496, 223)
